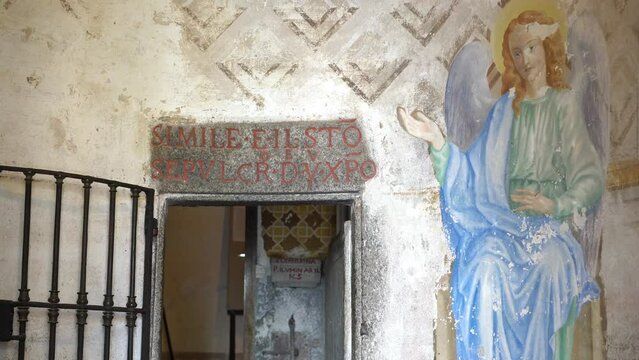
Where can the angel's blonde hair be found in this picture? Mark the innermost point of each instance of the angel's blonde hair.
(556, 59)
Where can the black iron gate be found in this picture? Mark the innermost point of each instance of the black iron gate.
(108, 308)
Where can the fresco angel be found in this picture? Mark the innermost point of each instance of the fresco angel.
(515, 173)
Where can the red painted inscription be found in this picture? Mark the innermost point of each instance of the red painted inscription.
(236, 154)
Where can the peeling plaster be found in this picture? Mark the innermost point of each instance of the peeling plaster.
(34, 80)
(67, 7)
(161, 18)
(58, 128)
(27, 32)
(124, 99)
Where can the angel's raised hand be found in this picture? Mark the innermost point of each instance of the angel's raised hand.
(420, 126)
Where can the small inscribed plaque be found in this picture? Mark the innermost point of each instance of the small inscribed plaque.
(296, 272)
(325, 156)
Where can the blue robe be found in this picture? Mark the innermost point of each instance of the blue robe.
(515, 277)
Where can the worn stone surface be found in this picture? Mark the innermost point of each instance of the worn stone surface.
(621, 302)
(82, 83)
(260, 158)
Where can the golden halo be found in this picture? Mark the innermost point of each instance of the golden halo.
(511, 11)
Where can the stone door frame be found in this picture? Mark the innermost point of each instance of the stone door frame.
(163, 201)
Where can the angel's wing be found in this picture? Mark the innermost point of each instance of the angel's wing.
(590, 80)
(468, 98)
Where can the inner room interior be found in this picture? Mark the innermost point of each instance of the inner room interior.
(267, 280)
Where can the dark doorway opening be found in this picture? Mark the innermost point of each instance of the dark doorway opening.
(224, 286)
(203, 283)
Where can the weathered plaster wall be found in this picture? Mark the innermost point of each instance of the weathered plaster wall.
(81, 82)
(621, 295)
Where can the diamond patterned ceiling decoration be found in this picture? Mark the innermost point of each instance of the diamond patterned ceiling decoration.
(314, 244)
(290, 219)
(625, 104)
(314, 220)
(365, 69)
(205, 22)
(298, 231)
(261, 67)
(315, 21)
(424, 22)
(268, 219)
(252, 75)
(472, 30)
(64, 3)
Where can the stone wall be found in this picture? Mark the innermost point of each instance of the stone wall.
(82, 82)
(621, 297)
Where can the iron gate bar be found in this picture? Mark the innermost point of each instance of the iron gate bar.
(82, 314)
(7, 308)
(150, 227)
(82, 307)
(107, 316)
(23, 311)
(53, 313)
(147, 191)
(64, 306)
(132, 317)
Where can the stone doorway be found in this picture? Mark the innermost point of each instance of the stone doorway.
(336, 294)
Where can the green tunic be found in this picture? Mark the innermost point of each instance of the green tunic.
(550, 153)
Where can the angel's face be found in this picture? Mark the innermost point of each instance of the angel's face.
(528, 54)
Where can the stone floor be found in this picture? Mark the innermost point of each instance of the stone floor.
(199, 356)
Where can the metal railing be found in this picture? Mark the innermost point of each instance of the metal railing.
(82, 306)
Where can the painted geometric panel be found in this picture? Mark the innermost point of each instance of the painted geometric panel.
(366, 69)
(205, 22)
(424, 22)
(472, 30)
(250, 75)
(316, 21)
(259, 68)
(298, 231)
(624, 125)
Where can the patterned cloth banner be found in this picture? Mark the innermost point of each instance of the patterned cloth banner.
(298, 231)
